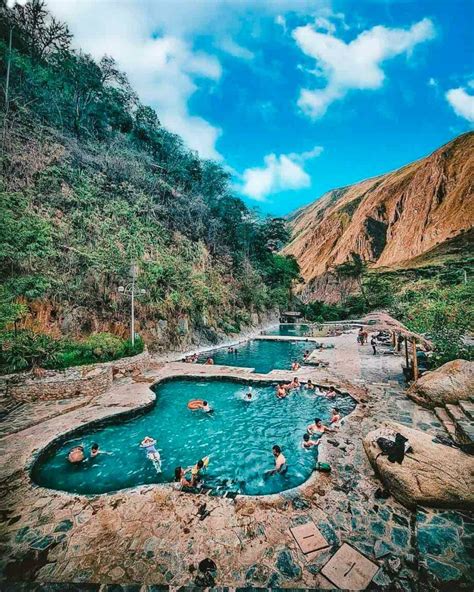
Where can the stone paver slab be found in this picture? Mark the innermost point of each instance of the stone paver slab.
(309, 538)
(348, 569)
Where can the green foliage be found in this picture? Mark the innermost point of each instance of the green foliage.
(24, 350)
(91, 181)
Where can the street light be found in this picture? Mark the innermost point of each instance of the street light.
(130, 290)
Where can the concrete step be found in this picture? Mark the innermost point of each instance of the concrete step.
(446, 420)
(468, 408)
(455, 412)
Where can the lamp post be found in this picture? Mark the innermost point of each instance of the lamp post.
(130, 290)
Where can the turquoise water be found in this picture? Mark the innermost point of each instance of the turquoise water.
(290, 330)
(262, 355)
(239, 437)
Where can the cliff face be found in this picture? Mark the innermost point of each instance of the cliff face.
(389, 219)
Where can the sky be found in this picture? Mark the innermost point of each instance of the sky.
(295, 97)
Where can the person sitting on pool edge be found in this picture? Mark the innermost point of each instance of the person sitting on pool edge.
(308, 443)
(318, 428)
(294, 384)
(196, 472)
(180, 476)
(280, 461)
(209, 362)
(281, 391)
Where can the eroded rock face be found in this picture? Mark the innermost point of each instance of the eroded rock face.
(452, 382)
(432, 475)
(388, 220)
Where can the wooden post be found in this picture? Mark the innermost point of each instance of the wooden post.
(415, 359)
(406, 352)
(399, 344)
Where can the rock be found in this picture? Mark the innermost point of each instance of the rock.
(450, 383)
(432, 475)
(381, 549)
(287, 566)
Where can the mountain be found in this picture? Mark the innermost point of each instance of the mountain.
(390, 220)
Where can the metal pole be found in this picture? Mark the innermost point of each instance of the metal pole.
(133, 311)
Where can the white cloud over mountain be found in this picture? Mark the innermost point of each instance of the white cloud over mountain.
(279, 173)
(356, 65)
(462, 102)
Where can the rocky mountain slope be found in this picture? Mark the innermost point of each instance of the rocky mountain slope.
(388, 220)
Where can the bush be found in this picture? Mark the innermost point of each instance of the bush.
(24, 350)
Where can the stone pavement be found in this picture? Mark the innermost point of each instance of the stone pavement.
(153, 535)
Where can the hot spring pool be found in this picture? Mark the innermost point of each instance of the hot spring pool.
(290, 329)
(239, 437)
(263, 355)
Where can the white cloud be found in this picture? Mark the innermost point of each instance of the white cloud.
(279, 173)
(354, 65)
(462, 102)
(228, 45)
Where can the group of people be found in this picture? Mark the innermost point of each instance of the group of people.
(77, 454)
(283, 390)
(190, 476)
(192, 359)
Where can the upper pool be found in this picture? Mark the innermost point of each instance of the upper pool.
(290, 330)
(238, 436)
(261, 354)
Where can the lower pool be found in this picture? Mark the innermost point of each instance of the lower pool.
(262, 354)
(238, 436)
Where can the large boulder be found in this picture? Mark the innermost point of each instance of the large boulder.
(432, 475)
(450, 383)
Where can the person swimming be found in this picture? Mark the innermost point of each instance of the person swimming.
(248, 397)
(95, 451)
(308, 443)
(331, 393)
(309, 385)
(148, 443)
(295, 383)
(317, 428)
(295, 366)
(76, 455)
(281, 391)
(206, 407)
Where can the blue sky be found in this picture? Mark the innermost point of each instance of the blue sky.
(296, 97)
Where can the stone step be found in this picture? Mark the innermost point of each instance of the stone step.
(455, 412)
(465, 433)
(446, 420)
(468, 408)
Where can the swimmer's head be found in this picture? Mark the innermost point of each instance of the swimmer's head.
(335, 410)
(306, 437)
(95, 446)
(200, 464)
(317, 421)
(249, 395)
(204, 403)
(276, 450)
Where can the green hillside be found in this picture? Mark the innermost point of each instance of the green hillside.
(91, 182)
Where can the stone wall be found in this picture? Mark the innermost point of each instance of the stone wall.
(80, 381)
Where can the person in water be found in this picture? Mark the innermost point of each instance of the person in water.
(248, 396)
(280, 461)
(295, 366)
(281, 391)
(76, 455)
(331, 393)
(196, 472)
(308, 443)
(209, 362)
(294, 384)
(180, 476)
(318, 428)
(206, 407)
(95, 450)
(309, 385)
(152, 453)
(336, 416)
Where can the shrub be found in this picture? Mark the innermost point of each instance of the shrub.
(24, 350)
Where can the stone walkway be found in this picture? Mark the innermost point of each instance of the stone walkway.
(154, 535)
